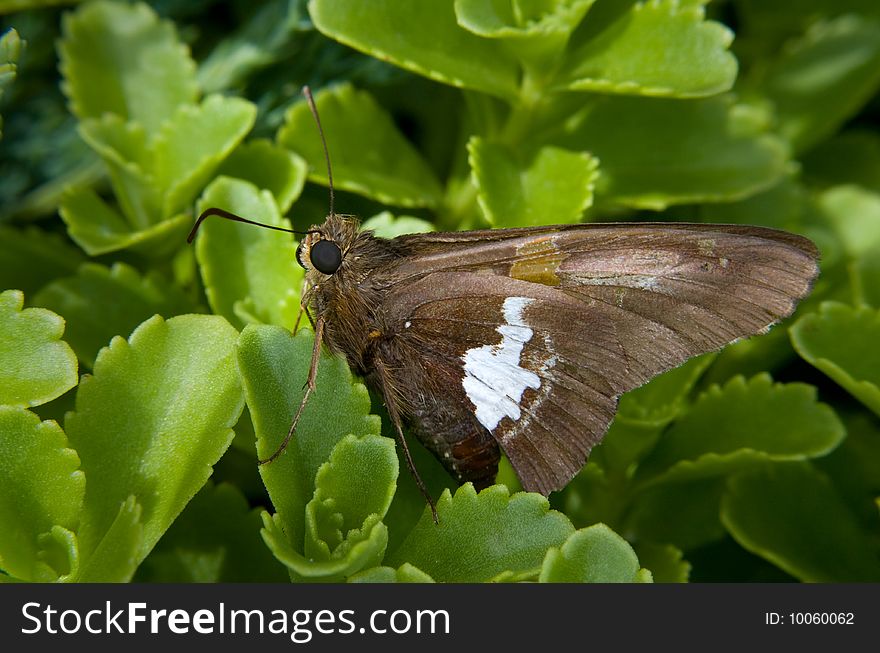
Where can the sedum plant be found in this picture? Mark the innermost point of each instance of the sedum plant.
(140, 378)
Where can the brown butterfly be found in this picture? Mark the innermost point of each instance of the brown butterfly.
(522, 340)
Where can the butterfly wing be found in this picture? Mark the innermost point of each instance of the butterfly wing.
(539, 331)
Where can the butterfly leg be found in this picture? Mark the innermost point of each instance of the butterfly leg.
(305, 294)
(387, 389)
(309, 387)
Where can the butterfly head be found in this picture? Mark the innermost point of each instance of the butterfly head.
(324, 247)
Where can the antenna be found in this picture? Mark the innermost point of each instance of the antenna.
(220, 213)
(311, 102)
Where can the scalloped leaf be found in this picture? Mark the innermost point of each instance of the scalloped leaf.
(245, 266)
(740, 423)
(99, 229)
(791, 515)
(386, 225)
(842, 342)
(369, 154)
(120, 550)
(100, 302)
(421, 37)
(360, 552)
(216, 539)
(823, 79)
(32, 257)
(483, 535)
(534, 33)
(358, 482)
(120, 58)
(406, 573)
(193, 143)
(666, 562)
(42, 487)
(644, 412)
(593, 555)
(659, 48)
(270, 167)
(36, 366)
(553, 186)
(274, 366)
(659, 401)
(657, 152)
(153, 420)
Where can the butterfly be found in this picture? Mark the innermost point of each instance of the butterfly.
(522, 340)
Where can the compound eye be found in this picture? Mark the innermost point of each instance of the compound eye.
(325, 256)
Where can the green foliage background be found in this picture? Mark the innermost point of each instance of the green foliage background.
(140, 378)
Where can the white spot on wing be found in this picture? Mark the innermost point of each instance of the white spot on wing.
(494, 380)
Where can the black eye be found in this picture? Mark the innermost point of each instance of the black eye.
(326, 256)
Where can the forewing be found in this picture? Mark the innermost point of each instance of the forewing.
(544, 343)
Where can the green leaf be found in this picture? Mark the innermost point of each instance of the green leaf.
(119, 58)
(824, 78)
(100, 302)
(11, 46)
(421, 37)
(406, 573)
(684, 514)
(553, 186)
(657, 152)
(644, 412)
(249, 273)
(792, 516)
(59, 555)
(536, 33)
(216, 539)
(661, 48)
(483, 535)
(385, 225)
(665, 561)
(153, 419)
(740, 423)
(192, 144)
(365, 551)
(664, 397)
(274, 366)
(852, 157)
(32, 257)
(264, 38)
(269, 167)
(854, 216)
(842, 342)
(125, 152)
(368, 153)
(100, 229)
(42, 487)
(36, 366)
(120, 550)
(592, 555)
(358, 482)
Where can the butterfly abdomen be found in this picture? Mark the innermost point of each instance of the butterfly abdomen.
(458, 440)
